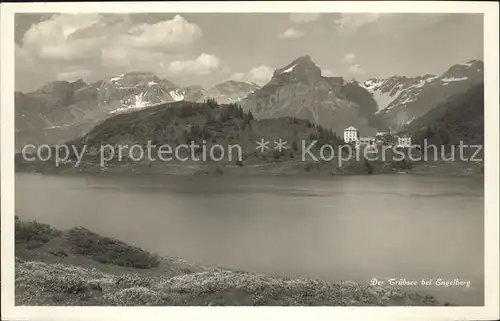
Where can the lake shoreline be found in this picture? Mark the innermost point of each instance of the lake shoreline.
(277, 169)
(78, 267)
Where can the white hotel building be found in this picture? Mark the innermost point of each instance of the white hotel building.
(351, 134)
(404, 141)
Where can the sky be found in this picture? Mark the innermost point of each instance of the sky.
(209, 48)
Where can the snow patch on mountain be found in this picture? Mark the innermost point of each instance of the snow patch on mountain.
(383, 98)
(469, 63)
(396, 90)
(139, 101)
(453, 79)
(115, 79)
(408, 100)
(176, 95)
(289, 69)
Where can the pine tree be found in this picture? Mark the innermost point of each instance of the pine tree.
(211, 102)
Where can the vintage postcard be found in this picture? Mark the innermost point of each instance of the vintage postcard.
(197, 160)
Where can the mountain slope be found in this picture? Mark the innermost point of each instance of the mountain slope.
(56, 112)
(299, 90)
(357, 94)
(460, 118)
(402, 99)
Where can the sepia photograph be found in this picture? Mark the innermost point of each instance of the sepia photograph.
(164, 155)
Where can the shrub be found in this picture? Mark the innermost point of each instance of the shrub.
(368, 167)
(33, 234)
(133, 280)
(277, 154)
(110, 251)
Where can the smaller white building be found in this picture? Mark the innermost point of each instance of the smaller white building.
(404, 141)
(367, 141)
(351, 134)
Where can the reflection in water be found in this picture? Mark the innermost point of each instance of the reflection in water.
(341, 228)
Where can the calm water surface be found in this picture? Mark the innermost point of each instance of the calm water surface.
(340, 228)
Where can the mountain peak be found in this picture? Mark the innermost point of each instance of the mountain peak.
(467, 69)
(300, 69)
(303, 59)
(140, 76)
(60, 86)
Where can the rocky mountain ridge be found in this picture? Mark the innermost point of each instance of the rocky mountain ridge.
(299, 90)
(401, 99)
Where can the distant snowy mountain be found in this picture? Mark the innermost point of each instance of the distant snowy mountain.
(137, 90)
(62, 110)
(401, 99)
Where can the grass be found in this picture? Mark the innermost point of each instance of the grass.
(107, 250)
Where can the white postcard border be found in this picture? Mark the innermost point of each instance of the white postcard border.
(491, 49)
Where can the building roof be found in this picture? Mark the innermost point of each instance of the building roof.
(351, 128)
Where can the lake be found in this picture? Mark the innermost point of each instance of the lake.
(336, 228)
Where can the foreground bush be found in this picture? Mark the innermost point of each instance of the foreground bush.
(110, 251)
(33, 234)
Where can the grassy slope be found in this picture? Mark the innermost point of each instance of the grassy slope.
(52, 269)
